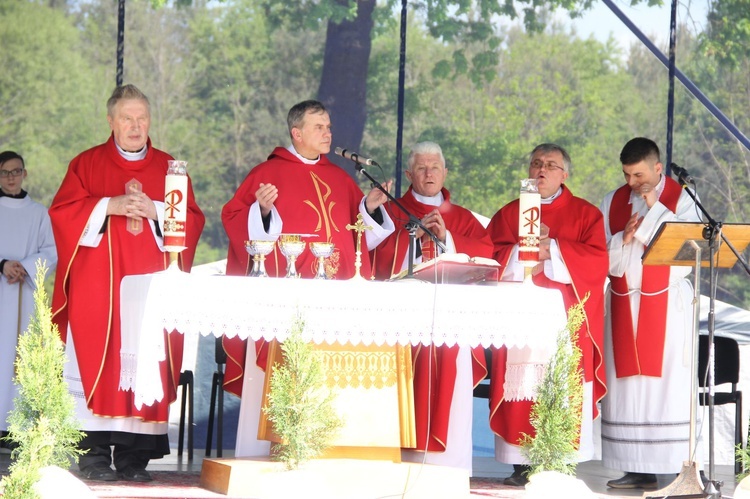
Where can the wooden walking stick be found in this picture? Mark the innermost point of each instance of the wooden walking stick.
(18, 326)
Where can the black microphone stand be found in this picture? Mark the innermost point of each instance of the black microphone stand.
(710, 232)
(412, 225)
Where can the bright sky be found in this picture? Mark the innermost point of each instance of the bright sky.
(652, 21)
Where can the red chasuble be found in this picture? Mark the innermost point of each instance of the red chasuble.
(578, 228)
(313, 199)
(433, 406)
(641, 353)
(87, 283)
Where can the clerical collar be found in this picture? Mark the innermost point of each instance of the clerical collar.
(436, 200)
(132, 156)
(20, 195)
(552, 197)
(659, 188)
(306, 161)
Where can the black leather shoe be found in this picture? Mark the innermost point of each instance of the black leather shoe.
(646, 481)
(99, 472)
(133, 474)
(518, 478)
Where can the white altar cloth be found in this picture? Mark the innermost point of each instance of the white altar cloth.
(353, 311)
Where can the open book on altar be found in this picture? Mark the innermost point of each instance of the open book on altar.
(455, 268)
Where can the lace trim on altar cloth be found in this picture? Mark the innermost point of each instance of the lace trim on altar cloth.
(522, 381)
(128, 368)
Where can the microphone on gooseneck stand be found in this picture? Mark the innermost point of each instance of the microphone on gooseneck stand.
(359, 160)
(682, 174)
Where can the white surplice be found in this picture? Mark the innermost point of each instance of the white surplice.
(646, 420)
(26, 236)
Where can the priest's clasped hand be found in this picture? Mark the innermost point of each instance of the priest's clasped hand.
(135, 205)
(14, 271)
(435, 224)
(544, 242)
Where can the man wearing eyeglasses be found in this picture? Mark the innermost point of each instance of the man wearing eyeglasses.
(26, 237)
(572, 259)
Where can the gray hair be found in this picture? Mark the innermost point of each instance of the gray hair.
(125, 92)
(549, 147)
(424, 148)
(296, 114)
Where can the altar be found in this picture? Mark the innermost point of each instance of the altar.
(354, 314)
(345, 312)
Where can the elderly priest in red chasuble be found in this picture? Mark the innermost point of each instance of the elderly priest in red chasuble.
(107, 218)
(443, 388)
(573, 258)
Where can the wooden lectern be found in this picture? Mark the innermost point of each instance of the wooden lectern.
(674, 243)
(684, 244)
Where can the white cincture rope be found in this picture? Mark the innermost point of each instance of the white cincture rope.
(638, 290)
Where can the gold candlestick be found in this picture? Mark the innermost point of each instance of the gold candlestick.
(174, 257)
(359, 227)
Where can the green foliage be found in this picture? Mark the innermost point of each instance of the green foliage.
(222, 75)
(556, 414)
(300, 406)
(742, 455)
(244, 78)
(42, 421)
(728, 36)
(462, 24)
(45, 86)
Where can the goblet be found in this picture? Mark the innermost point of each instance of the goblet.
(259, 249)
(291, 246)
(321, 250)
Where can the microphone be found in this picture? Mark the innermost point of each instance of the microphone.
(682, 174)
(355, 157)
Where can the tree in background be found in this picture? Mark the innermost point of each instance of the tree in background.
(467, 26)
(45, 92)
(222, 76)
(720, 160)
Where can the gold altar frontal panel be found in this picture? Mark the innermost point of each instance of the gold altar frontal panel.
(374, 398)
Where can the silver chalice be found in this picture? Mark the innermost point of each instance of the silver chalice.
(259, 249)
(321, 250)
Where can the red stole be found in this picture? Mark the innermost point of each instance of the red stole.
(641, 354)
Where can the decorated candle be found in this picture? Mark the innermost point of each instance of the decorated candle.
(529, 222)
(175, 206)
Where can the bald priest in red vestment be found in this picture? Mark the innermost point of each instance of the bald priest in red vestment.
(297, 190)
(443, 390)
(573, 258)
(107, 218)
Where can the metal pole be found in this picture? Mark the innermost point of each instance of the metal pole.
(694, 350)
(670, 98)
(401, 80)
(120, 40)
(689, 85)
